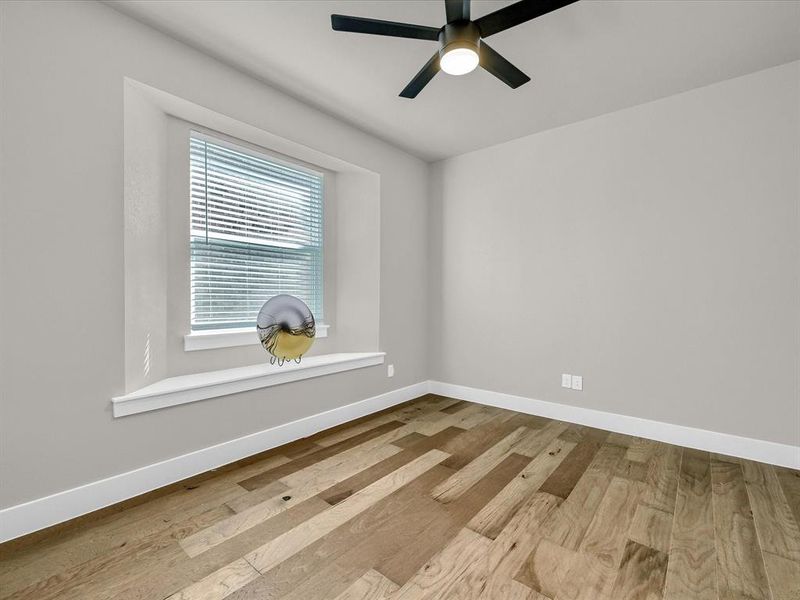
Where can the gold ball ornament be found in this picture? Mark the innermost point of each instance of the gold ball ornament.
(286, 328)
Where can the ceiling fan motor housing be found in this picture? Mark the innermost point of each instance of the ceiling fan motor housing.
(459, 34)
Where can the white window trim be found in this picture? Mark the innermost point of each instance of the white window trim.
(230, 338)
(201, 386)
(238, 145)
(147, 112)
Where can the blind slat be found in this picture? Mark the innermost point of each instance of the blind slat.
(256, 231)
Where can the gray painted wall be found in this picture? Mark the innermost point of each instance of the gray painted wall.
(653, 251)
(61, 247)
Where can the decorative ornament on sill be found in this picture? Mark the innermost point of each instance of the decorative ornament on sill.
(286, 328)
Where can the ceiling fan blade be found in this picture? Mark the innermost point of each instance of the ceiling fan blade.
(378, 27)
(457, 10)
(517, 13)
(500, 67)
(422, 78)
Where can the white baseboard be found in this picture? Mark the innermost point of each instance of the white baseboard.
(723, 443)
(37, 514)
(31, 516)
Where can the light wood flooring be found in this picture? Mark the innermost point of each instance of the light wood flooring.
(438, 499)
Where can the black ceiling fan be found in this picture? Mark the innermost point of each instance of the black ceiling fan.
(461, 41)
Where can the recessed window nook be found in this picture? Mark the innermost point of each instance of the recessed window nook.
(162, 353)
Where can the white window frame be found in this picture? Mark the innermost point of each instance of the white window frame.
(208, 339)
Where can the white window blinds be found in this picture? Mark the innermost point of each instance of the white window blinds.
(256, 231)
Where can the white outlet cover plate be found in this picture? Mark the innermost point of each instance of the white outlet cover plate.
(577, 382)
(566, 380)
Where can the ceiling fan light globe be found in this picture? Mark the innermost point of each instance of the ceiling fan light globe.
(459, 61)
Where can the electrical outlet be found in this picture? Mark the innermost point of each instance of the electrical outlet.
(566, 380)
(390, 371)
(577, 382)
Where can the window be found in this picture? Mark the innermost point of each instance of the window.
(256, 231)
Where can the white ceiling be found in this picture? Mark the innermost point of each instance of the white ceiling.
(586, 59)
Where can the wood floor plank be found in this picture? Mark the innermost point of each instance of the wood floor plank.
(349, 432)
(783, 576)
(662, 478)
(447, 575)
(519, 591)
(172, 571)
(568, 525)
(778, 532)
(326, 470)
(220, 583)
(537, 439)
(592, 433)
(476, 440)
(304, 462)
(297, 476)
(470, 474)
(790, 483)
(543, 569)
(235, 524)
(587, 578)
(327, 582)
(537, 422)
(651, 527)
(254, 468)
(621, 440)
(249, 499)
(370, 586)
(435, 403)
(301, 448)
(410, 440)
(467, 418)
(740, 566)
(329, 565)
(692, 564)
(431, 535)
(641, 573)
(629, 469)
(491, 520)
(512, 546)
(284, 546)
(573, 433)
(641, 450)
(776, 527)
(455, 407)
(404, 414)
(608, 531)
(434, 423)
(562, 481)
(407, 536)
(348, 487)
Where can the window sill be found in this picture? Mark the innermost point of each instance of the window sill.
(212, 384)
(229, 338)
